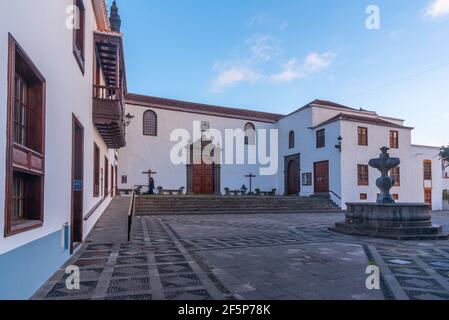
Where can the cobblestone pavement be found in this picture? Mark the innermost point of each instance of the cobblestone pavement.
(282, 256)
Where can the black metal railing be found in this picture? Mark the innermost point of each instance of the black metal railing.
(131, 212)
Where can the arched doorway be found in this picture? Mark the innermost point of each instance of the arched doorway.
(292, 174)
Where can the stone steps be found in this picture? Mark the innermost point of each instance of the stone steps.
(177, 205)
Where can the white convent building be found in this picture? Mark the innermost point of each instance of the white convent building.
(322, 147)
(65, 154)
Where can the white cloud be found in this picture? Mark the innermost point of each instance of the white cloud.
(291, 71)
(313, 63)
(316, 62)
(437, 8)
(263, 47)
(230, 75)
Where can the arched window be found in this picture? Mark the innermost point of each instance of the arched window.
(150, 123)
(250, 134)
(291, 140)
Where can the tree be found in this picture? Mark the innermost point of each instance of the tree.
(444, 155)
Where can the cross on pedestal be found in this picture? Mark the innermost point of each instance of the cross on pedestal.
(149, 173)
(250, 176)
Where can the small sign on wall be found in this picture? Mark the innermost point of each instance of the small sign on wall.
(307, 179)
(77, 185)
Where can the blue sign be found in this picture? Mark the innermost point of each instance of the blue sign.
(77, 185)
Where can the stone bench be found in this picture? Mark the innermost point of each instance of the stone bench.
(170, 192)
(266, 193)
(229, 192)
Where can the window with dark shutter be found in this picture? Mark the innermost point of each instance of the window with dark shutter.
(321, 138)
(150, 123)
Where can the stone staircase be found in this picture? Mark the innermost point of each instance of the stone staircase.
(197, 205)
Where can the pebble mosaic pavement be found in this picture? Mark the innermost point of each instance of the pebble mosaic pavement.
(239, 257)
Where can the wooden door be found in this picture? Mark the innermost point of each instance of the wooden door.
(203, 179)
(77, 182)
(293, 177)
(428, 197)
(321, 177)
(106, 177)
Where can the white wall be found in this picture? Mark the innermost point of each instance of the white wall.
(419, 154)
(353, 155)
(48, 42)
(305, 145)
(144, 152)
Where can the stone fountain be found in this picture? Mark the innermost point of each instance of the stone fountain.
(387, 219)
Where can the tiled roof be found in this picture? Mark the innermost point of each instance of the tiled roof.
(331, 104)
(368, 120)
(191, 107)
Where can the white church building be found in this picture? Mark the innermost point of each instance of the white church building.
(73, 137)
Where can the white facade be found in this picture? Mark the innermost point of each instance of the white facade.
(49, 44)
(143, 153)
(147, 152)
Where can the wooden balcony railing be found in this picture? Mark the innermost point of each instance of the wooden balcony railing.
(107, 93)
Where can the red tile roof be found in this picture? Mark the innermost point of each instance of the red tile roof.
(368, 120)
(191, 107)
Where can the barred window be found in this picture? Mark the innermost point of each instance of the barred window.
(427, 170)
(150, 123)
(291, 140)
(250, 134)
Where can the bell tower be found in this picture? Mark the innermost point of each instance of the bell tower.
(114, 18)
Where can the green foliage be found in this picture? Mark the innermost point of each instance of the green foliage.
(444, 154)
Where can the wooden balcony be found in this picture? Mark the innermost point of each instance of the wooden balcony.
(108, 115)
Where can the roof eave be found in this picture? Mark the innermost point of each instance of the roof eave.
(101, 15)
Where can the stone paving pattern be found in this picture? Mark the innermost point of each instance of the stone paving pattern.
(281, 256)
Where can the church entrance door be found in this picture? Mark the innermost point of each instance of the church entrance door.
(203, 179)
(293, 177)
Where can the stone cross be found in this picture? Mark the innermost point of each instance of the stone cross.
(149, 173)
(250, 176)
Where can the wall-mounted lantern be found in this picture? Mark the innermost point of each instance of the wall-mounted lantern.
(338, 146)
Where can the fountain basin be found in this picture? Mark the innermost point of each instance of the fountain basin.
(405, 221)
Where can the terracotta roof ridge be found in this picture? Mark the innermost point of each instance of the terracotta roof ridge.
(203, 107)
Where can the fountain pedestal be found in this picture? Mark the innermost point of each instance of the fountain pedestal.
(387, 219)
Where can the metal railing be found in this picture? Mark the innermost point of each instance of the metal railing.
(131, 213)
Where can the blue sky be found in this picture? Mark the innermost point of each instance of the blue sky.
(276, 56)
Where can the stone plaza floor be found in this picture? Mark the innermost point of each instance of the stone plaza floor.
(249, 257)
